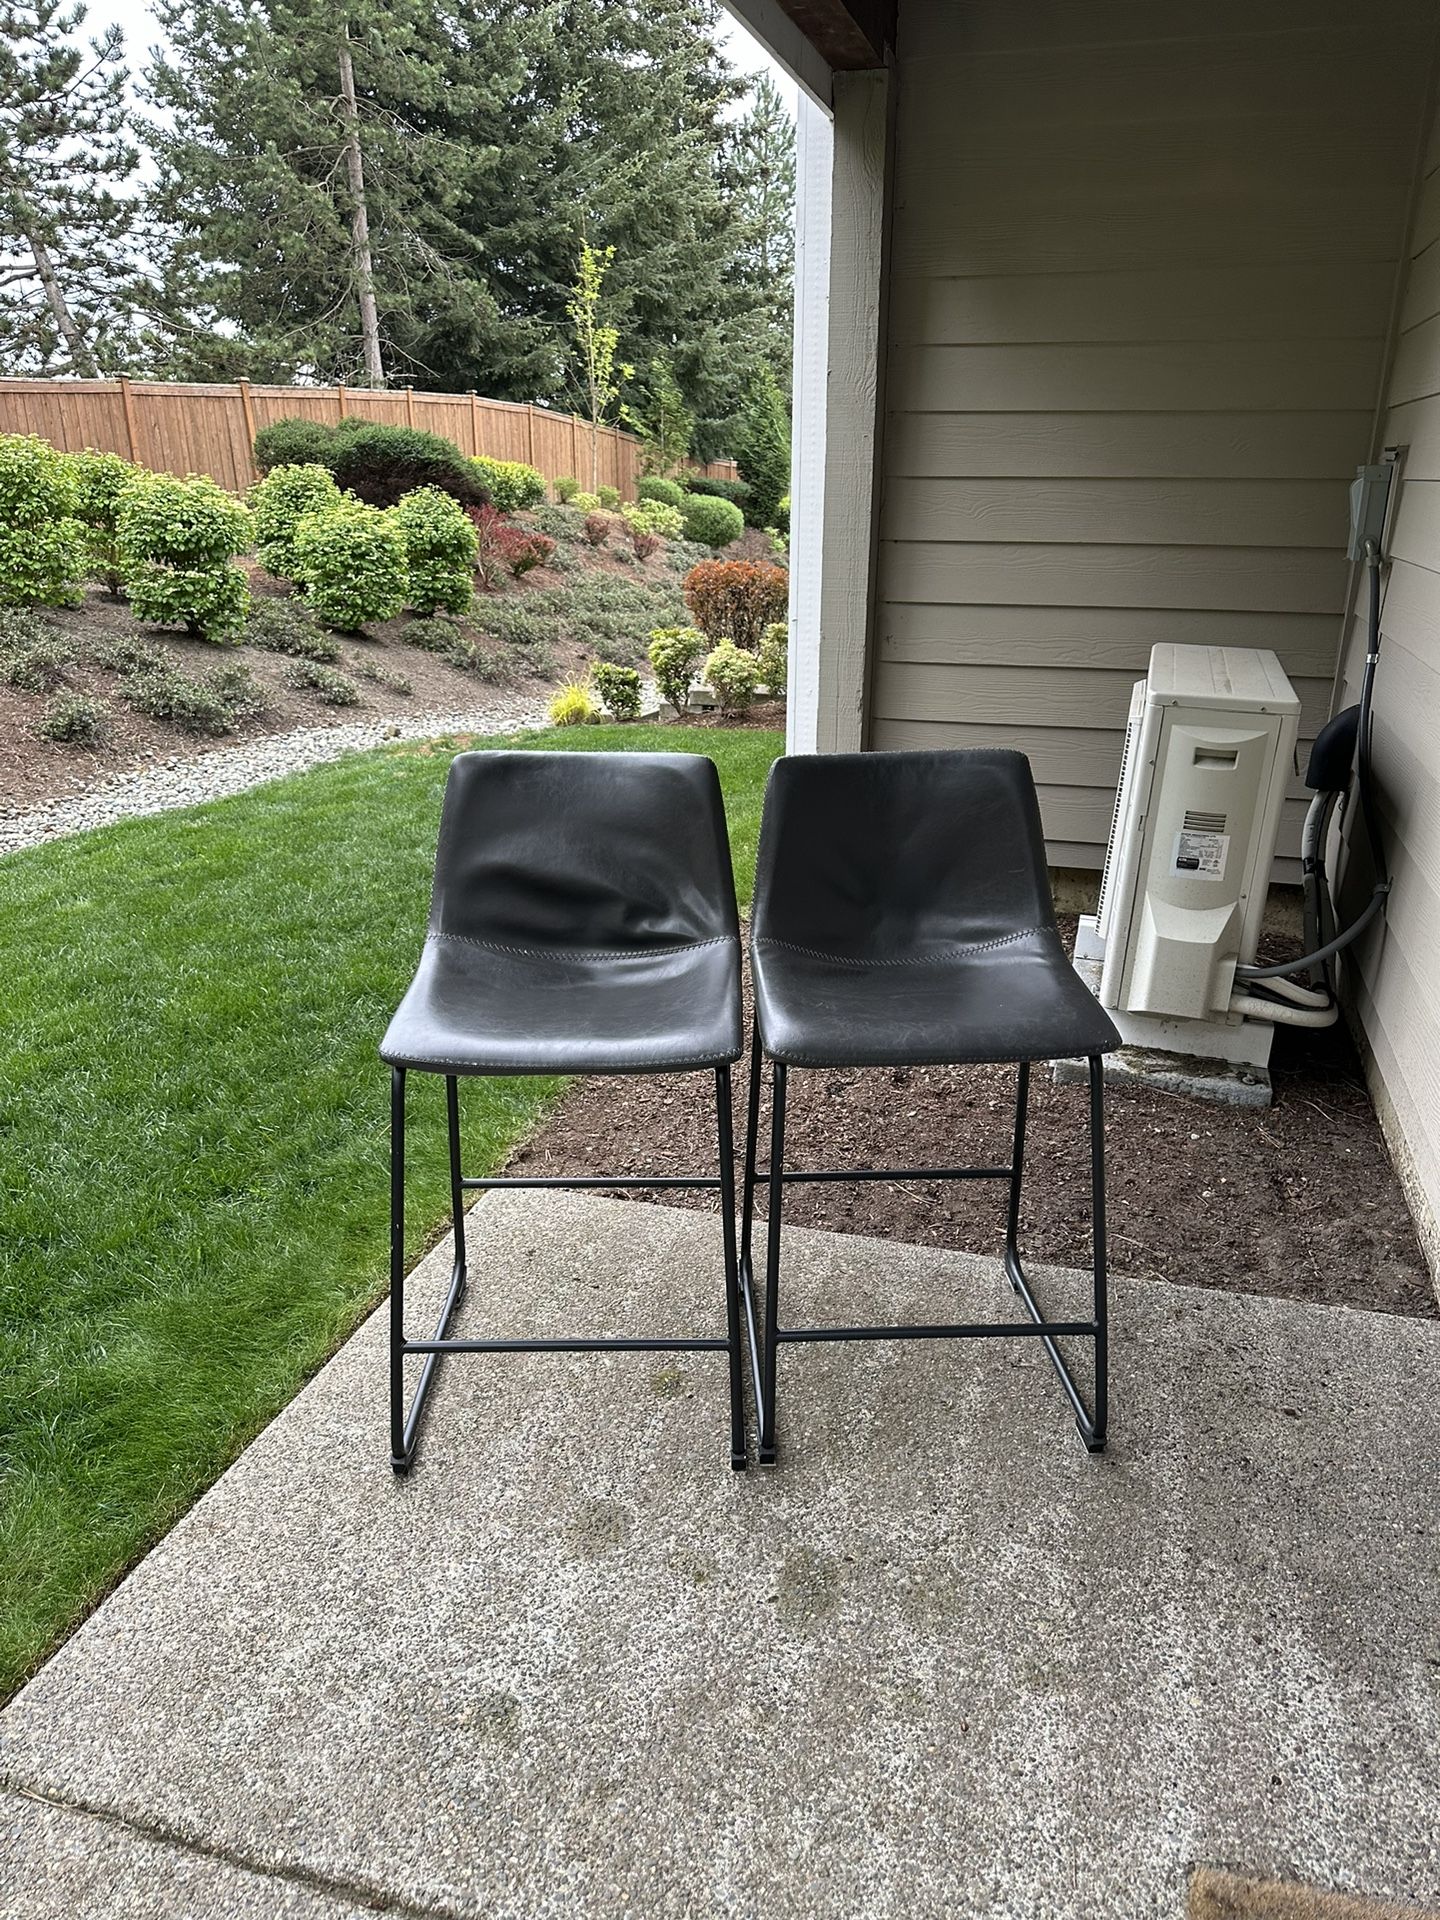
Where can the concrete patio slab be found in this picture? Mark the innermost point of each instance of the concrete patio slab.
(941, 1662)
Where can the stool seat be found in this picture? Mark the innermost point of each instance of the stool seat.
(1012, 997)
(478, 1007)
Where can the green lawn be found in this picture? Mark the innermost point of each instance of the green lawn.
(193, 1132)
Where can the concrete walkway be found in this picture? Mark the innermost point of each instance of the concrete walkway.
(940, 1663)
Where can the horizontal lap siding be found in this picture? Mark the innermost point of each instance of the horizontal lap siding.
(1144, 260)
(1397, 993)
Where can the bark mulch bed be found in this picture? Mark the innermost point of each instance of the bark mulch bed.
(1299, 1201)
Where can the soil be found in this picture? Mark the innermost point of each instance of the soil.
(1299, 1201)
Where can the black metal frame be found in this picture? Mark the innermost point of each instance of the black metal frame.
(405, 1424)
(765, 1343)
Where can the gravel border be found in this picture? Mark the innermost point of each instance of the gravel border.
(146, 789)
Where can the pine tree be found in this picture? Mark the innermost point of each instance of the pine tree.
(762, 450)
(762, 161)
(660, 419)
(70, 286)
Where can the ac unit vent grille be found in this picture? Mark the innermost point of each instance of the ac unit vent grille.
(1115, 817)
(1204, 822)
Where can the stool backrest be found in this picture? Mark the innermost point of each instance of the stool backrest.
(583, 850)
(875, 854)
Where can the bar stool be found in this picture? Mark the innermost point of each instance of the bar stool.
(583, 920)
(903, 918)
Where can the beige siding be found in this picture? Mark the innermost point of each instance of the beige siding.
(1397, 981)
(1145, 261)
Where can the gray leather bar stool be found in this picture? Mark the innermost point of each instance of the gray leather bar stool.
(583, 920)
(903, 918)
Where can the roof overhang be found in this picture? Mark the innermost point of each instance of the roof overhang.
(815, 39)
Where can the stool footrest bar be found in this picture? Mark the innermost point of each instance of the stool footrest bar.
(580, 1180)
(982, 1330)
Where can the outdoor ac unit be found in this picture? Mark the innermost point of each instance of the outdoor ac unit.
(1209, 752)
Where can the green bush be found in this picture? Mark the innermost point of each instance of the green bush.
(441, 549)
(732, 673)
(288, 626)
(440, 637)
(380, 465)
(566, 488)
(294, 442)
(366, 669)
(511, 485)
(673, 653)
(241, 692)
(619, 688)
(781, 522)
(774, 656)
(586, 502)
(330, 688)
(176, 542)
(573, 706)
(127, 656)
(734, 491)
(654, 516)
(668, 492)
(351, 561)
(74, 719)
(559, 523)
(100, 480)
(712, 522)
(42, 544)
(763, 449)
(279, 502)
(609, 498)
(209, 706)
(33, 665)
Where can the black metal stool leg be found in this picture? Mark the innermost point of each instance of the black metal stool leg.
(752, 1130)
(1095, 1438)
(457, 1189)
(772, 1268)
(738, 1457)
(399, 1460)
(1017, 1172)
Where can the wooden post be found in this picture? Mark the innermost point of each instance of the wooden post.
(474, 424)
(530, 432)
(409, 406)
(248, 410)
(574, 446)
(128, 402)
(340, 401)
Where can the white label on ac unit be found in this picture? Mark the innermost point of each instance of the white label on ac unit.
(1200, 855)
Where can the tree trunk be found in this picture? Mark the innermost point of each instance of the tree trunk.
(81, 357)
(360, 221)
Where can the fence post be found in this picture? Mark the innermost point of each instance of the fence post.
(127, 401)
(248, 410)
(409, 406)
(474, 424)
(340, 398)
(530, 432)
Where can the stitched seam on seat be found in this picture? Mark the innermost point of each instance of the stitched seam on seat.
(903, 960)
(587, 953)
(691, 1062)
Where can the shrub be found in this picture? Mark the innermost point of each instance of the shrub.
(294, 442)
(673, 653)
(503, 547)
(774, 656)
(654, 516)
(573, 706)
(702, 485)
(73, 719)
(763, 449)
(736, 599)
(712, 522)
(644, 544)
(330, 688)
(668, 492)
(351, 561)
(100, 479)
(42, 544)
(240, 691)
(586, 502)
(566, 488)
(127, 656)
(380, 465)
(597, 528)
(288, 626)
(164, 692)
(782, 516)
(439, 637)
(279, 502)
(371, 670)
(177, 541)
(511, 485)
(619, 688)
(441, 550)
(560, 523)
(609, 497)
(34, 665)
(732, 672)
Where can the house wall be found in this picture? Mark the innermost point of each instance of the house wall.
(1144, 265)
(1395, 986)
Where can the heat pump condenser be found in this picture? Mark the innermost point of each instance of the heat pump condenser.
(1209, 754)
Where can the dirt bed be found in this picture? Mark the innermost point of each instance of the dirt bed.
(1299, 1201)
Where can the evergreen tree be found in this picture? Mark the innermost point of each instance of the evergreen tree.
(762, 449)
(762, 163)
(660, 420)
(70, 286)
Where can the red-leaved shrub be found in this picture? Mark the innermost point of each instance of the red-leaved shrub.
(504, 547)
(597, 528)
(736, 599)
(644, 543)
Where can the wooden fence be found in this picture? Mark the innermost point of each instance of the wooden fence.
(211, 429)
